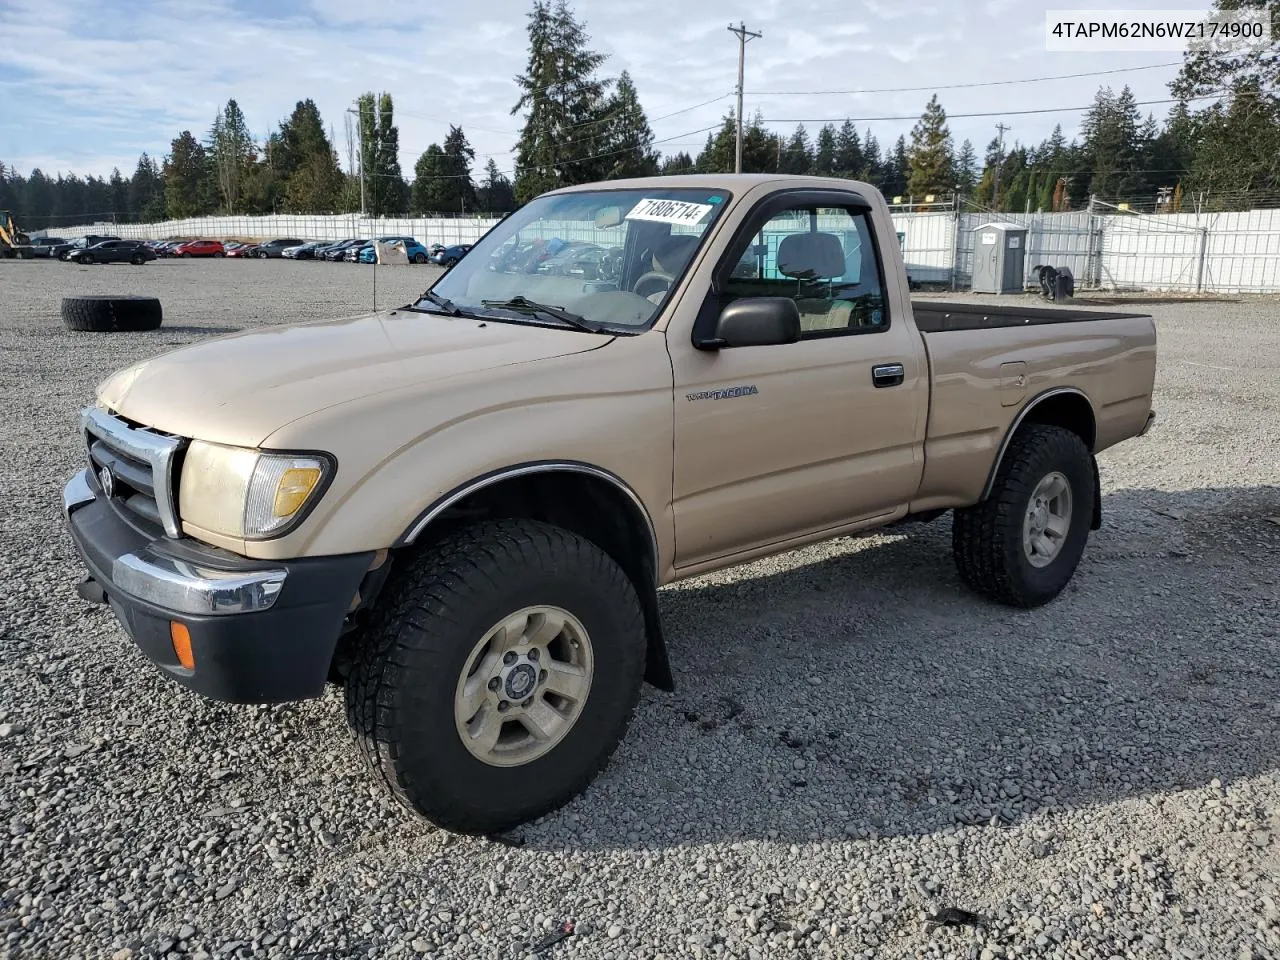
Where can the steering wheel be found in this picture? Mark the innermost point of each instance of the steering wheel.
(649, 280)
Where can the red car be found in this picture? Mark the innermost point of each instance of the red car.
(241, 250)
(201, 248)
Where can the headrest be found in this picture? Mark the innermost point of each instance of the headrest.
(673, 253)
(811, 256)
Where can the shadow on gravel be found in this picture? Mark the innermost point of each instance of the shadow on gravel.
(870, 694)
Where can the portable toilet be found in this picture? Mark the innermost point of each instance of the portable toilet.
(998, 252)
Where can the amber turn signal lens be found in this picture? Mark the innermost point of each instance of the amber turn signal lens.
(181, 638)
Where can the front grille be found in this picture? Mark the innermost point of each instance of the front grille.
(135, 466)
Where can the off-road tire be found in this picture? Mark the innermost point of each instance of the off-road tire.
(112, 314)
(986, 538)
(400, 691)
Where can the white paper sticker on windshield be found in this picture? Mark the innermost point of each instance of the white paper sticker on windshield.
(669, 211)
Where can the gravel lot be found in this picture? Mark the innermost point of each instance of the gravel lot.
(855, 741)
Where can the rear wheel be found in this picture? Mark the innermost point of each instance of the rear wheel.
(219, 254)
(419, 258)
(1021, 545)
(499, 675)
(137, 259)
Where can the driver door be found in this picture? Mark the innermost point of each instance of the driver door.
(774, 443)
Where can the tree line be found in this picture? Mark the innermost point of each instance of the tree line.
(580, 125)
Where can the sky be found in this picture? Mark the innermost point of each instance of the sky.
(87, 86)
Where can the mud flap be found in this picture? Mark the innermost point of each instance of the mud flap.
(1096, 523)
(657, 667)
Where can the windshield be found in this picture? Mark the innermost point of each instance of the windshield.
(608, 256)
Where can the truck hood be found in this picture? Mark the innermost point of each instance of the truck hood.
(241, 388)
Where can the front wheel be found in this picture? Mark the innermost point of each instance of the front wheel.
(499, 675)
(85, 258)
(1022, 544)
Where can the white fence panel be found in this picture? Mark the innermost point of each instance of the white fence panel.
(1213, 253)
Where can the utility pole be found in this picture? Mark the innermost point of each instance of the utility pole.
(744, 36)
(995, 193)
(360, 151)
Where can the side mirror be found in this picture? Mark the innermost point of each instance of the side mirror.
(755, 322)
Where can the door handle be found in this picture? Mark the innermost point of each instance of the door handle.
(888, 374)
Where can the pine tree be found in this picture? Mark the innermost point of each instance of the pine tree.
(1229, 65)
(442, 177)
(929, 157)
(966, 172)
(187, 178)
(231, 150)
(848, 160)
(873, 166)
(628, 140)
(797, 158)
(146, 191)
(495, 194)
(565, 103)
(1112, 145)
(430, 192)
(301, 157)
(824, 154)
(676, 164)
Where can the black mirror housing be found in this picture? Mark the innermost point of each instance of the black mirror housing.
(755, 322)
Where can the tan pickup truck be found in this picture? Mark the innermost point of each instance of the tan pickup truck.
(461, 510)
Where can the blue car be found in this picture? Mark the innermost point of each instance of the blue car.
(416, 252)
(449, 256)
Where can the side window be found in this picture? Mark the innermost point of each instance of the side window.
(824, 259)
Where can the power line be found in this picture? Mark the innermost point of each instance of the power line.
(996, 113)
(957, 86)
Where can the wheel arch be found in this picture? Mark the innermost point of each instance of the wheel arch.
(1066, 407)
(587, 500)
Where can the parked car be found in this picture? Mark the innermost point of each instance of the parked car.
(415, 251)
(63, 251)
(274, 249)
(434, 249)
(113, 251)
(352, 253)
(200, 248)
(304, 251)
(334, 251)
(44, 246)
(244, 250)
(449, 256)
(446, 521)
(165, 248)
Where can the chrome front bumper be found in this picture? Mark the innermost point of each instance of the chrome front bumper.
(179, 585)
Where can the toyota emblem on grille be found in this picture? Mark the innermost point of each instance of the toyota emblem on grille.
(108, 481)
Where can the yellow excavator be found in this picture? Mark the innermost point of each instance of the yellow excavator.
(13, 242)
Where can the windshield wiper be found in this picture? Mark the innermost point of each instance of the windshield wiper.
(523, 304)
(445, 304)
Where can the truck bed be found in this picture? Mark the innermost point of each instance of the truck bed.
(943, 316)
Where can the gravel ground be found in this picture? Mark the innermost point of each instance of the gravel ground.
(855, 741)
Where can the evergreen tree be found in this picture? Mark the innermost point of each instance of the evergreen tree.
(628, 139)
(431, 193)
(872, 169)
(966, 171)
(824, 152)
(896, 169)
(1238, 148)
(930, 159)
(848, 159)
(186, 178)
(302, 158)
(232, 152)
(1230, 65)
(146, 191)
(564, 102)
(386, 193)
(797, 158)
(118, 195)
(1113, 146)
(677, 163)
(495, 194)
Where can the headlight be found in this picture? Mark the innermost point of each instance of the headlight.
(249, 494)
